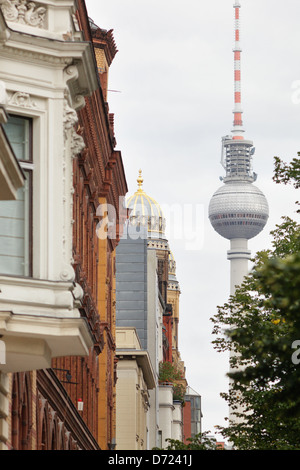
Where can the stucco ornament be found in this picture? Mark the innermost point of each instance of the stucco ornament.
(70, 119)
(22, 99)
(24, 12)
(67, 274)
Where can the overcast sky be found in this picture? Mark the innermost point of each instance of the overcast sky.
(173, 100)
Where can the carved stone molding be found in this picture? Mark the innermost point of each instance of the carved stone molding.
(71, 72)
(32, 55)
(24, 12)
(67, 274)
(78, 292)
(77, 143)
(22, 99)
(70, 119)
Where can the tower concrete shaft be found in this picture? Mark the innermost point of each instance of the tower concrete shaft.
(238, 255)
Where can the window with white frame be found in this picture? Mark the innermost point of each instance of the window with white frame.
(15, 216)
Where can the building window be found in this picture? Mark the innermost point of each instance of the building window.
(195, 415)
(160, 443)
(15, 216)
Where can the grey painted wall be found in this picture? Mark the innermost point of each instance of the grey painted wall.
(131, 283)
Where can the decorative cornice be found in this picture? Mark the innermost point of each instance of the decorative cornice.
(108, 180)
(103, 39)
(37, 55)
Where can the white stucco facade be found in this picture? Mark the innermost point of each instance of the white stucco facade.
(166, 409)
(46, 69)
(135, 380)
(11, 180)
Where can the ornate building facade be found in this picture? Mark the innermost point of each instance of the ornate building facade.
(99, 183)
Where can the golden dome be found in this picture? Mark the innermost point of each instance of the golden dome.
(146, 212)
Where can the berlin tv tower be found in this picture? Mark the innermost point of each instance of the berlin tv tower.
(238, 210)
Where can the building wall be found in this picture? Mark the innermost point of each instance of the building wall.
(4, 411)
(173, 299)
(166, 410)
(99, 182)
(187, 417)
(138, 306)
(135, 379)
(76, 165)
(126, 405)
(46, 79)
(155, 324)
(107, 364)
(177, 426)
(131, 285)
(41, 92)
(131, 407)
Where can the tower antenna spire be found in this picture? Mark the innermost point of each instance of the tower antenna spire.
(238, 129)
(237, 152)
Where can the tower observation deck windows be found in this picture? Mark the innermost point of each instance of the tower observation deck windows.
(238, 159)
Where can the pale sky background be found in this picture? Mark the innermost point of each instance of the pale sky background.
(174, 80)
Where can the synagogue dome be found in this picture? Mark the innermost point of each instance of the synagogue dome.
(144, 211)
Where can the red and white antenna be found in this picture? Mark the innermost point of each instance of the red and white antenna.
(238, 121)
(237, 152)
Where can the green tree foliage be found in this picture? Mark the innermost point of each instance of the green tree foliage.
(287, 173)
(261, 324)
(201, 441)
(168, 372)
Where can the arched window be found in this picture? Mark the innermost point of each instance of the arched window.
(54, 432)
(15, 419)
(44, 433)
(21, 415)
(61, 436)
(53, 440)
(25, 413)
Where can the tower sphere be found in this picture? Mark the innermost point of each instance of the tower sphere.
(238, 210)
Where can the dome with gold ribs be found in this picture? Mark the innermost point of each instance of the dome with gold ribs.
(144, 211)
